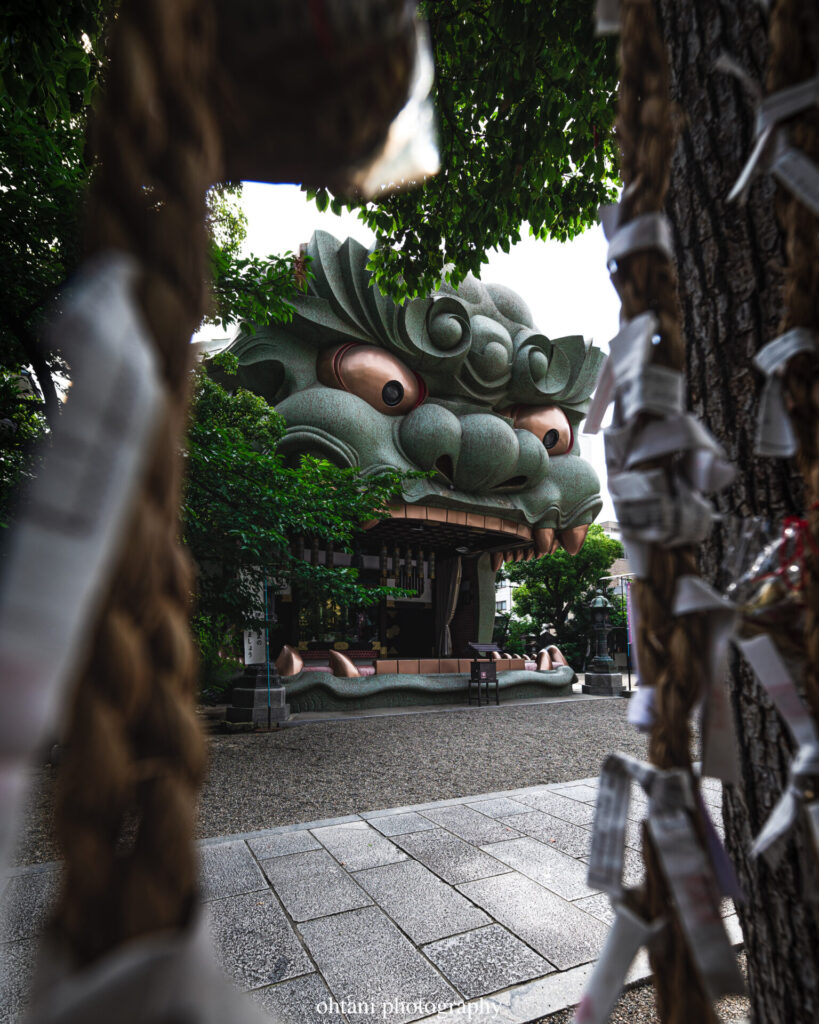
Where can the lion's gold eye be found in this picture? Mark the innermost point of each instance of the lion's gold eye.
(548, 423)
(374, 375)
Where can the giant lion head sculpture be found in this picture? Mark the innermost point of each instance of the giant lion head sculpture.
(460, 383)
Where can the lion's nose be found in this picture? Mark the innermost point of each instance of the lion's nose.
(490, 455)
(478, 452)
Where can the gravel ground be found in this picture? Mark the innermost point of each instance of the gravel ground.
(328, 769)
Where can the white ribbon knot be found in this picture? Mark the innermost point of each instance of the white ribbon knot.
(775, 435)
(607, 16)
(720, 759)
(788, 165)
(771, 671)
(686, 868)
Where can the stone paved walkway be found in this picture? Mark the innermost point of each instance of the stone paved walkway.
(475, 909)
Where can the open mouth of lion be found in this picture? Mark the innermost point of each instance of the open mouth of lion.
(504, 539)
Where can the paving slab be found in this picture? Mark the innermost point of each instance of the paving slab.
(401, 824)
(424, 905)
(450, 857)
(17, 964)
(575, 840)
(633, 835)
(470, 825)
(283, 843)
(228, 869)
(26, 903)
(584, 793)
(545, 865)
(530, 1001)
(419, 902)
(313, 885)
(553, 927)
(357, 846)
(560, 806)
(305, 1000)
(498, 807)
(598, 905)
(374, 970)
(253, 940)
(485, 960)
(633, 868)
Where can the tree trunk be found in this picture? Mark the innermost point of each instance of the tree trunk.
(729, 265)
(35, 356)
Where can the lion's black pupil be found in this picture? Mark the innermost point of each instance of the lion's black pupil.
(392, 392)
(551, 437)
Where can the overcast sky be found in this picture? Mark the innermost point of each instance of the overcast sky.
(566, 286)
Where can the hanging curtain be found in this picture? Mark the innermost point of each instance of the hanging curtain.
(450, 603)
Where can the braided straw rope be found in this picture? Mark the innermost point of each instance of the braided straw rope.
(185, 76)
(135, 759)
(794, 57)
(670, 650)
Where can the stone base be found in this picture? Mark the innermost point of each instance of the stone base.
(249, 703)
(608, 684)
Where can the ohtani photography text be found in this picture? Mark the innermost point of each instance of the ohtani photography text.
(389, 1007)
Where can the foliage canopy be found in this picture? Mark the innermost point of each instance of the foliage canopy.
(525, 97)
(243, 507)
(553, 591)
(46, 92)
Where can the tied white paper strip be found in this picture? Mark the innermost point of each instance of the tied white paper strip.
(772, 673)
(775, 435)
(797, 173)
(642, 706)
(659, 507)
(644, 233)
(685, 866)
(628, 379)
(650, 512)
(706, 468)
(720, 757)
(607, 16)
(724, 872)
(642, 711)
(648, 231)
(690, 877)
(790, 166)
(71, 523)
(170, 976)
(627, 936)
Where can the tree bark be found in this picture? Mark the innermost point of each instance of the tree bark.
(729, 261)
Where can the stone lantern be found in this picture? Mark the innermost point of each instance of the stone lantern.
(601, 679)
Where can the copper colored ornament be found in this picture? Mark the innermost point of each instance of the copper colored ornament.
(289, 661)
(573, 539)
(342, 666)
(544, 540)
(544, 662)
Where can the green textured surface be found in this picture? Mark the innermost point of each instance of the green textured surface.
(320, 691)
(478, 352)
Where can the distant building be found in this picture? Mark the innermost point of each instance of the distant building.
(504, 590)
(503, 597)
(619, 566)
